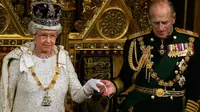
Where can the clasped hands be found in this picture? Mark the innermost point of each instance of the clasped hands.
(104, 87)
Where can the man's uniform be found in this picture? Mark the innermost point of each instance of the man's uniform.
(163, 72)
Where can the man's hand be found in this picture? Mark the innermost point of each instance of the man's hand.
(109, 88)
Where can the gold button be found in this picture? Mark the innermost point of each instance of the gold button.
(152, 97)
(171, 97)
(152, 39)
(176, 71)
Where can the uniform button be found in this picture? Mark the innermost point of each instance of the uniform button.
(152, 40)
(175, 37)
(176, 71)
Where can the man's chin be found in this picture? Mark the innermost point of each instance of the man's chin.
(162, 35)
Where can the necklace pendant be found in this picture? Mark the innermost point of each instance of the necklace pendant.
(46, 100)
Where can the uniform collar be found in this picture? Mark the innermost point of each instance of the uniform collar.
(168, 39)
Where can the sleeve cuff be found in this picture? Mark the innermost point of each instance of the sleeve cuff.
(192, 106)
(119, 86)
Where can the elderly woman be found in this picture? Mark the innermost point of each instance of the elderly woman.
(36, 77)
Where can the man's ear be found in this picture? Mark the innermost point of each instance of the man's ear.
(148, 16)
(174, 17)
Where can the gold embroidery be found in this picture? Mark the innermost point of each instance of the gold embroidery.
(183, 31)
(138, 34)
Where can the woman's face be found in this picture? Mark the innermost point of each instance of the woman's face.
(45, 40)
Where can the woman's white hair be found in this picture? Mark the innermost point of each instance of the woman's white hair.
(34, 27)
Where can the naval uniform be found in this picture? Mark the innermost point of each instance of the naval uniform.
(160, 75)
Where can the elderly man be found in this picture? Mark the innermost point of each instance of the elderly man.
(161, 65)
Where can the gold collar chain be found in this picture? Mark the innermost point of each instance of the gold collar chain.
(53, 81)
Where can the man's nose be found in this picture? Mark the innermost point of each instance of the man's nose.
(161, 26)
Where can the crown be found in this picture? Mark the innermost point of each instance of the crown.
(46, 13)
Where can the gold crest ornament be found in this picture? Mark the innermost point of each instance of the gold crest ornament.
(160, 92)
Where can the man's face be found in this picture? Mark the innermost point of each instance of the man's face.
(162, 20)
(45, 40)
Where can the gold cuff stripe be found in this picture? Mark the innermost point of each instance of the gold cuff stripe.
(119, 85)
(193, 107)
(188, 110)
(193, 102)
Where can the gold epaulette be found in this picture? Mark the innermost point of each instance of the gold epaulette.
(188, 32)
(138, 34)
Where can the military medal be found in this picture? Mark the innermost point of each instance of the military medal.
(46, 100)
(179, 50)
(162, 51)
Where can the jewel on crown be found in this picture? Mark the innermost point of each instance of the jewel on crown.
(46, 13)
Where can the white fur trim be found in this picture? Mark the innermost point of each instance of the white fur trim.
(33, 27)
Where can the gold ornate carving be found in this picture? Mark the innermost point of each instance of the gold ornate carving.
(139, 10)
(16, 11)
(97, 67)
(4, 19)
(113, 24)
(90, 8)
(68, 4)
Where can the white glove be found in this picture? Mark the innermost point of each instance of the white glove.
(90, 86)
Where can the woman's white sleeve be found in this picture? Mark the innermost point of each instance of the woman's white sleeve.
(75, 87)
(12, 80)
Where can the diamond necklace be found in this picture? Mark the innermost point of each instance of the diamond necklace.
(43, 57)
